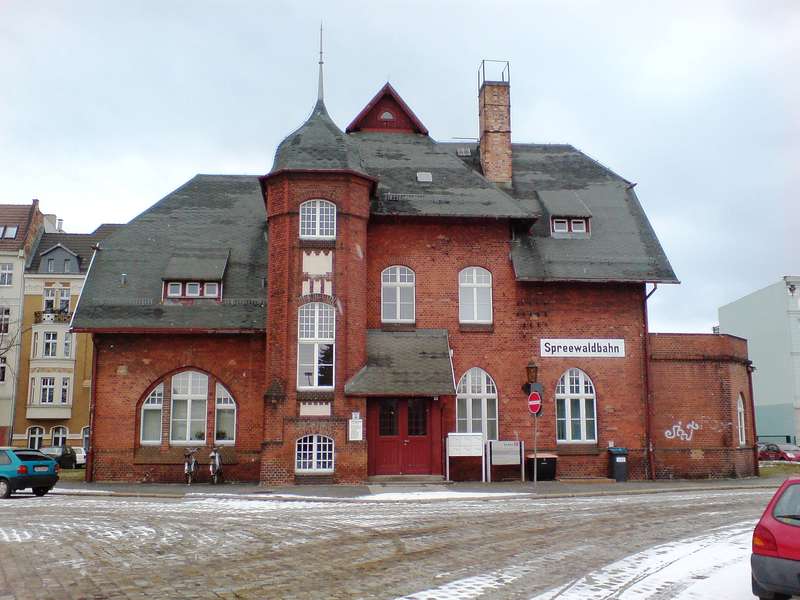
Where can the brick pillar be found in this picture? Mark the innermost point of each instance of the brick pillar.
(494, 119)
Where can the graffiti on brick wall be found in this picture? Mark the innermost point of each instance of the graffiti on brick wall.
(680, 433)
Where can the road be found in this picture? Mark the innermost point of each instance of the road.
(83, 547)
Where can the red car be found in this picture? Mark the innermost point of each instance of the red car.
(775, 562)
(788, 452)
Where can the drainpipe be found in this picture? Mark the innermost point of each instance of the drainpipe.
(92, 394)
(648, 425)
(750, 368)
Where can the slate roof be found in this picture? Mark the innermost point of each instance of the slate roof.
(405, 363)
(20, 215)
(209, 211)
(80, 244)
(197, 264)
(318, 144)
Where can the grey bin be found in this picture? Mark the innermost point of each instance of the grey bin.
(618, 464)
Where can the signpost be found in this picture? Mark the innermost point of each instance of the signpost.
(535, 408)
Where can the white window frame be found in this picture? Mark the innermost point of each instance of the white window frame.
(206, 293)
(741, 420)
(170, 284)
(580, 222)
(51, 265)
(316, 336)
(63, 299)
(224, 401)
(560, 225)
(51, 344)
(477, 384)
(35, 345)
(68, 345)
(5, 319)
(11, 232)
(59, 428)
(49, 295)
(585, 391)
(2, 369)
(193, 398)
(311, 225)
(6, 274)
(50, 386)
(199, 288)
(35, 436)
(315, 453)
(153, 402)
(391, 284)
(85, 438)
(67, 263)
(66, 386)
(471, 273)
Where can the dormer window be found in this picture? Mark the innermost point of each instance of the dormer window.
(318, 220)
(568, 226)
(192, 289)
(578, 225)
(174, 289)
(560, 225)
(8, 232)
(211, 289)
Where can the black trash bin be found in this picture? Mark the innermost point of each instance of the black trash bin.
(546, 466)
(618, 463)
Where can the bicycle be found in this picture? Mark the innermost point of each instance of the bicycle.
(190, 465)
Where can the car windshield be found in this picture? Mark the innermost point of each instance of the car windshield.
(27, 455)
(787, 509)
(788, 447)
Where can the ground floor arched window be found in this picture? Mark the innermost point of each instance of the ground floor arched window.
(476, 404)
(35, 437)
(576, 411)
(314, 454)
(59, 435)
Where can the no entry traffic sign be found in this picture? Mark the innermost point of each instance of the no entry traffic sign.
(535, 403)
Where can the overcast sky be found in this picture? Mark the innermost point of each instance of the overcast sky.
(106, 106)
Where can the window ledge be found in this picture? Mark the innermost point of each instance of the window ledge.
(312, 243)
(577, 449)
(476, 327)
(410, 326)
(303, 395)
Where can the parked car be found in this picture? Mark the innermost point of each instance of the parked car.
(788, 452)
(775, 562)
(65, 455)
(80, 456)
(22, 468)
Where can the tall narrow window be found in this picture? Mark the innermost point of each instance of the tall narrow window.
(740, 419)
(85, 438)
(315, 347)
(2, 369)
(225, 417)
(59, 435)
(65, 390)
(189, 397)
(6, 273)
(35, 437)
(476, 404)
(314, 454)
(397, 295)
(576, 419)
(50, 343)
(475, 295)
(63, 299)
(67, 345)
(151, 416)
(49, 299)
(47, 390)
(5, 319)
(318, 220)
(51, 265)
(35, 345)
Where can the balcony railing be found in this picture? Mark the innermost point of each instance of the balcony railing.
(51, 316)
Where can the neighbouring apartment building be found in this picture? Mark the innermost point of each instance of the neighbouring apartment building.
(770, 320)
(340, 316)
(55, 366)
(20, 227)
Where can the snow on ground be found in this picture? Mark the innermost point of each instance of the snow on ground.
(710, 566)
(411, 496)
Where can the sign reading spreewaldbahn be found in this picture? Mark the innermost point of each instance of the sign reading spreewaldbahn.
(587, 348)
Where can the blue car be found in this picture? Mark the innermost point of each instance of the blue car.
(22, 468)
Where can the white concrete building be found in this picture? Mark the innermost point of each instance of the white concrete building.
(770, 320)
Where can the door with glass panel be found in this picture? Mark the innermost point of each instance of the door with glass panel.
(399, 436)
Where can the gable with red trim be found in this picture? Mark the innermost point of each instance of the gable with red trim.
(387, 112)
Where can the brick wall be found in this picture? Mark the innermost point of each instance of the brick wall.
(696, 380)
(494, 122)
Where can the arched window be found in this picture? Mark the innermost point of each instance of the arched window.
(59, 436)
(315, 346)
(476, 404)
(576, 419)
(85, 438)
(314, 454)
(224, 417)
(386, 116)
(189, 397)
(475, 295)
(397, 295)
(318, 220)
(151, 416)
(740, 419)
(35, 437)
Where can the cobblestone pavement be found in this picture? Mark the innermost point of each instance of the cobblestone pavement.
(73, 547)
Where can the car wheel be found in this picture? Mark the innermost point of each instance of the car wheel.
(5, 488)
(40, 491)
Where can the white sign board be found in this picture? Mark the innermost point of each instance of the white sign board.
(465, 444)
(505, 453)
(355, 430)
(587, 348)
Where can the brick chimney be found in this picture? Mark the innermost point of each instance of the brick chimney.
(494, 120)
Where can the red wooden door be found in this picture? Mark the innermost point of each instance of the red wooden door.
(399, 436)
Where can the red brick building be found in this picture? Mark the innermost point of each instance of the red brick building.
(376, 291)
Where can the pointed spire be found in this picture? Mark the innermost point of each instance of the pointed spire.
(319, 88)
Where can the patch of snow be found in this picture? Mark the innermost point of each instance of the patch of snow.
(410, 496)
